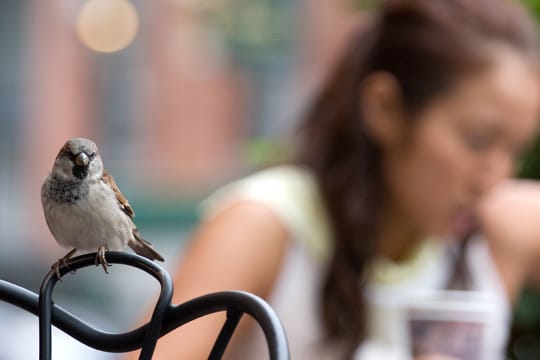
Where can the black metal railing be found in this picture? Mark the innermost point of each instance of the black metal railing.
(165, 317)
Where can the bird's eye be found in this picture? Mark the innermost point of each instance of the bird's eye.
(70, 155)
(92, 156)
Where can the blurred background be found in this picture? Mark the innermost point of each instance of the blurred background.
(180, 96)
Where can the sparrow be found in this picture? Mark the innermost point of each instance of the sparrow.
(85, 210)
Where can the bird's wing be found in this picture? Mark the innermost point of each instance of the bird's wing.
(122, 201)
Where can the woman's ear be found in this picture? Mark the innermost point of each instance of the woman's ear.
(382, 109)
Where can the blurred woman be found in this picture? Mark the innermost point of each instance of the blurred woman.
(400, 185)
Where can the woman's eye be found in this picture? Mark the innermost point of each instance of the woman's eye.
(477, 142)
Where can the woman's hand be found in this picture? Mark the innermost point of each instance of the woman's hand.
(509, 214)
(509, 217)
(434, 357)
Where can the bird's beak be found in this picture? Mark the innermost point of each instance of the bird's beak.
(82, 159)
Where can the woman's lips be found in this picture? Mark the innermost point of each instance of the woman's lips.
(462, 221)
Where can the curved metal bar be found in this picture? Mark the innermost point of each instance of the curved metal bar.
(165, 318)
(154, 327)
(242, 301)
(233, 318)
(70, 324)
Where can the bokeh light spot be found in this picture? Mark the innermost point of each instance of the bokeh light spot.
(107, 25)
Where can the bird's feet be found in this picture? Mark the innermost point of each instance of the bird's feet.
(100, 258)
(62, 262)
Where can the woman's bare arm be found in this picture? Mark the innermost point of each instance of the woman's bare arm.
(241, 248)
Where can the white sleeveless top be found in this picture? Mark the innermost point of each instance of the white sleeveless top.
(292, 194)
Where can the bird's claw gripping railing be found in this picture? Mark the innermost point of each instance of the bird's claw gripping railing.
(165, 318)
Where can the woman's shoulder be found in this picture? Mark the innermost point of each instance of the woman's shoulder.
(283, 186)
(284, 178)
(291, 192)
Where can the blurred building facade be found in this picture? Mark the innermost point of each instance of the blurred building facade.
(171, 113)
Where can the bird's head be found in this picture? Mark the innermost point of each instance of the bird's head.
(77, 160)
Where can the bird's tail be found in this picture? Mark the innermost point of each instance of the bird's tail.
(143, 247)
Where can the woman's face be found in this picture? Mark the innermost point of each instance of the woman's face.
(463, 143)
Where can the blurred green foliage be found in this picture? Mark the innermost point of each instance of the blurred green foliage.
(262, 152)
(364, 4)
(530, 166)
(534, 5)
(254, 32)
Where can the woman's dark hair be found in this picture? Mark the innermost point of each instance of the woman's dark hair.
(427, 45)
